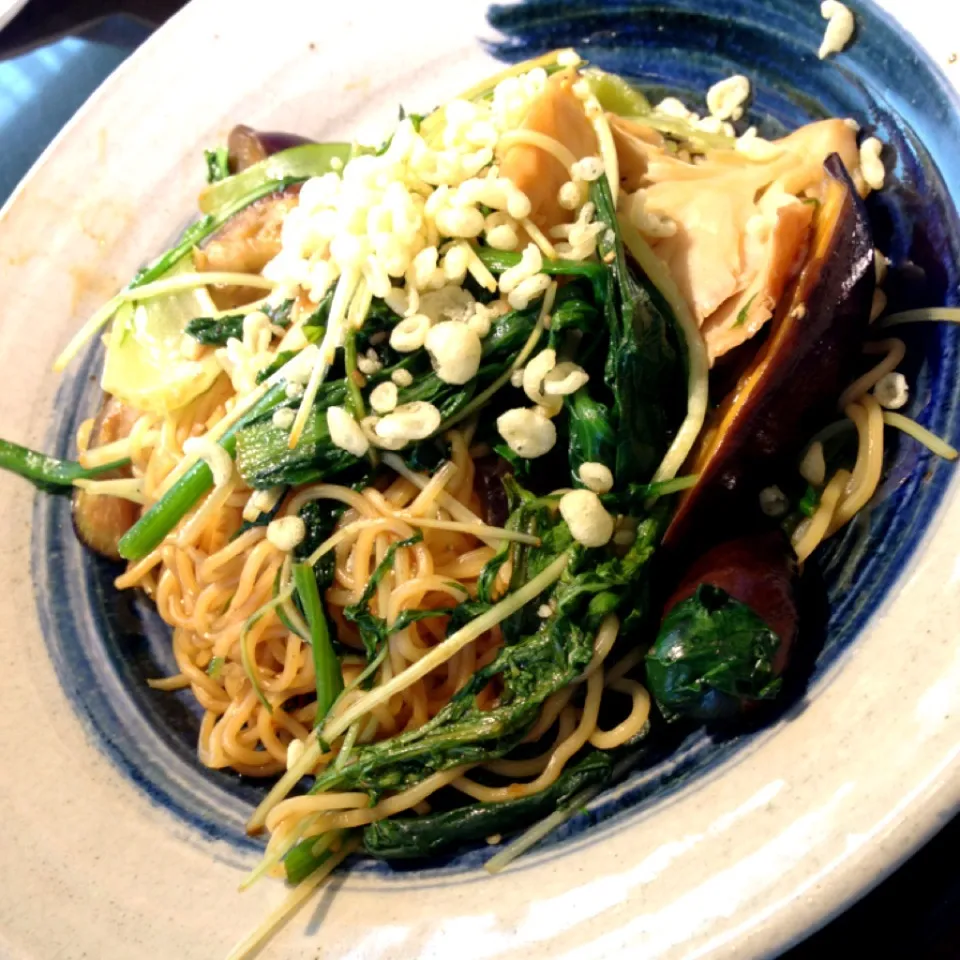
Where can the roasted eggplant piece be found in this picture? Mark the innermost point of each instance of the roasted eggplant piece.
(245, 244)
(491, 470)
(100, 521)
(791, 383)
(727, 631)
(246, 146)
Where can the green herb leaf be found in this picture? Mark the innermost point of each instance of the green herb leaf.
(644, 366)
(329, 677)
(713, 654)
(402, 838)
(216, 331)
(539, 657)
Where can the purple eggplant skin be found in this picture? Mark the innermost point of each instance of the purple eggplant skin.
(793, 382)
(246, 146)
(491, 470)
(245, 244)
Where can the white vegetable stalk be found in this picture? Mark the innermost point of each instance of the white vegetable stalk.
(159, 288)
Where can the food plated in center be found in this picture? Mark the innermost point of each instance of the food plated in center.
(414, 447)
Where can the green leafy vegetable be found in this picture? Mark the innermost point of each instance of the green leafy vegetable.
(215, 667)
(401, 838)
(216, 331)
(203, 228)
(320, 517)
(497, 261)
(593, 437)
(354, 397)
(644, 369)
(167, 512)
(532, 664)
(713, 654)
(218, 164)
(48, 473)
(265, 459)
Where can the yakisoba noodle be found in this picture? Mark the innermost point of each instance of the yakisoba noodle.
(208, 581)
(848, 493)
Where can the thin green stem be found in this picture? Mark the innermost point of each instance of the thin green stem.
(47, 472)
(170, 509)
(329, 678)
(354, 396)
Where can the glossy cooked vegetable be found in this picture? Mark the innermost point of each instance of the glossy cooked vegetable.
(246, 146)
(644, 369)
(100, 520)
(727, 631)
(167, 512)
(216, 331)
(540, 655)
(403, 838)
(246, 243)
(293, 164)
(264, 456)
(794, 379)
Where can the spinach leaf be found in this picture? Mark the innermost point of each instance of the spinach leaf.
(326, 665)
(593, 435)
(320, 517)
(263, 454)
(402, 838)
(712, 655)
(264, 457)
(216, 331)
(644, 368)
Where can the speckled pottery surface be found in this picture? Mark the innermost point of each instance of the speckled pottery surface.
(115, 841)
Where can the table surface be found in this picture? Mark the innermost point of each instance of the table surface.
(915, 912)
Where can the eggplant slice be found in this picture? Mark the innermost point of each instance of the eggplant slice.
(246, 243)
(246, 146)
(100, 521)
(793, 381)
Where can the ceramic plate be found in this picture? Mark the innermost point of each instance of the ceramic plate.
(9, 9)
(116, 843)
